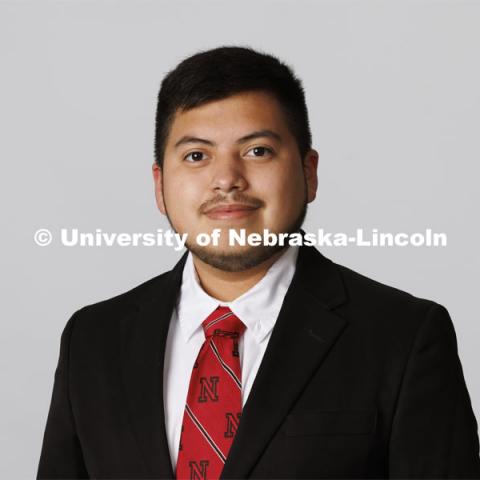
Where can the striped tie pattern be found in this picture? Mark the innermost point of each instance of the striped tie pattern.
(214, 400)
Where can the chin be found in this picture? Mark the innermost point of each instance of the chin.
(234, 259)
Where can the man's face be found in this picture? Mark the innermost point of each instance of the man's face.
(215, 158)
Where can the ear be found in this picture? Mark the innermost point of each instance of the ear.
(157, 179)
(310, 163)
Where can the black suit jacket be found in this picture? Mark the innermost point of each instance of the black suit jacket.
(359, 380)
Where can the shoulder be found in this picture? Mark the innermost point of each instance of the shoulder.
(109, 311)
(362, 288)
(380, 307)
(389, 324)
(108, 317)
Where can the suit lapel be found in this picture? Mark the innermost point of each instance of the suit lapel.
(303, 334)
(144, 339)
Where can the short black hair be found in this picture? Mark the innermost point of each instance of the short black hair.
(224, 71)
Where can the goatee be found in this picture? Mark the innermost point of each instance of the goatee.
(248, 258)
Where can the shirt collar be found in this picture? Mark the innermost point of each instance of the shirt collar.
(257, 308)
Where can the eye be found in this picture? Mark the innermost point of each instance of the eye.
(195, 156)
(260, 151)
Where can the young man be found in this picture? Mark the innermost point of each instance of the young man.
(253, 361)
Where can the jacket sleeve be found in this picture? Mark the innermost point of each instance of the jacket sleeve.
(61, 454)
(434, 431)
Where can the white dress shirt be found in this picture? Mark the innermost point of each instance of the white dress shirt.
(257, 308)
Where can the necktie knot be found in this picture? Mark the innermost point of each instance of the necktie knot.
(223, 322)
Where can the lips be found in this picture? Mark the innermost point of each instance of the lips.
(230, 208)
(230, 212)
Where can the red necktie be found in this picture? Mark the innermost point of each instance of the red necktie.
(214, 400)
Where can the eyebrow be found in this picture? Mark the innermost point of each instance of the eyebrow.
(251, 136)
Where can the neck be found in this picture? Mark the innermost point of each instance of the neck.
(227, 286)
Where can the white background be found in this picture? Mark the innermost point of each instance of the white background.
(392, 90)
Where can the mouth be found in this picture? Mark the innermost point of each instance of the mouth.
(228, 212)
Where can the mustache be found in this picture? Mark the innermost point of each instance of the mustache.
(238, 198)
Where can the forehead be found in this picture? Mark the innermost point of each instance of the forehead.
(235, 115)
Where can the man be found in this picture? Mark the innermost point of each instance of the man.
(253, 361)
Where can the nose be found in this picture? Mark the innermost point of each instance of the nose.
(228, 172)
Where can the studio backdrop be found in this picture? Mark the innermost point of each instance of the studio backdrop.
(394, 104)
